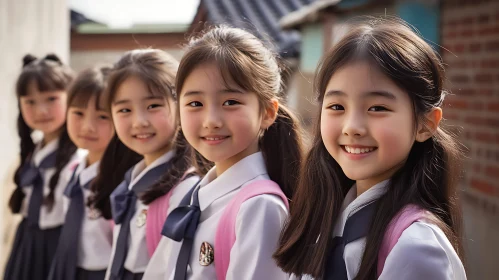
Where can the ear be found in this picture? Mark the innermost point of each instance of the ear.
(429, 125)
(270, 114)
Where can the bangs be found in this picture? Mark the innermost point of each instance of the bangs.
(81, 99)
(45, 78)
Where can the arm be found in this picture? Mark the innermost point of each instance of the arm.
(258, 227)
(422, 252)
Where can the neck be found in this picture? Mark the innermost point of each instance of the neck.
(150, 158)
(93, 157)
(49, 137)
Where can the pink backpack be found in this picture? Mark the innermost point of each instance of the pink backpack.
(405, 218)
(225, 236)
(156, 217)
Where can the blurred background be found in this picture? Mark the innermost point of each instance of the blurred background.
(464, 32)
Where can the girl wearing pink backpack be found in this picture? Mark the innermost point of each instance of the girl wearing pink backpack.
(227, 227)
(377, 195)
(141, 101)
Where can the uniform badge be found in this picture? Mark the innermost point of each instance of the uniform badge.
(206, 255)
(94, 214)
(141, 218)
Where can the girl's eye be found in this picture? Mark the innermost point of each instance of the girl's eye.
(29, 102)
(336, 107)
(124, 110)
(152, 106)
(230, 103)
(195, 104)
(103, 117)
(78, 113)
(52, 99)
(377, 109)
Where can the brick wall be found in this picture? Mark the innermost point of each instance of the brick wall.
(470, 40)
(470, 33)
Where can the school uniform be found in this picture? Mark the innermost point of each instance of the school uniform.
(137, 255)
(38, 233)
(258, 226)
(422, 252)
(85, 245)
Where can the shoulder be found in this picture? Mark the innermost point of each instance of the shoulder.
(423, 252)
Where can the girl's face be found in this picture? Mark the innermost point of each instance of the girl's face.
(367, 123)
(222, 123)
(44, 111)
(90, 128)
(144, 123)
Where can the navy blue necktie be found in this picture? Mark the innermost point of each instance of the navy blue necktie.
(65, 260)
(357, 226)
(181, 224)
(123, 202)
(32, 176)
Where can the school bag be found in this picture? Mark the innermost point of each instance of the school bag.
(404, 219)
(157, 214)
(225, 236)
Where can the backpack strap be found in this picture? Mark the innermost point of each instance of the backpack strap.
(225, 236)
(404, 219)
(157, 214)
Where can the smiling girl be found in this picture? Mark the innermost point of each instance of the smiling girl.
(84, 247)
(377, 196)
(40, 179)
(229, 85)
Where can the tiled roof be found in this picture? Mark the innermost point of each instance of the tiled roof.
(260, 16)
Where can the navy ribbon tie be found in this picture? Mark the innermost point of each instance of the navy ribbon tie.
(181, 224)
(356, 227)
(123, 202)
(65, 260)
(32, 176)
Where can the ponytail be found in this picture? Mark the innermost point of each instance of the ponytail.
(115, 162)
(27, 148)
(64, 153)
(282, 149)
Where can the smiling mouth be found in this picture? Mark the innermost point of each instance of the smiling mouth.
(358, 150)
(217, 138)
(144, 136)
(43, 121)
(88, 138)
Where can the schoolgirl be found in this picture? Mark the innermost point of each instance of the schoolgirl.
(227, 227)
(141, 100)
(84, 247)
(377, 196)
(40, 178)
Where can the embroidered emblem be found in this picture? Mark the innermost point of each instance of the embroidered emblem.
(141, 218)
(94, 214)
(206, 255)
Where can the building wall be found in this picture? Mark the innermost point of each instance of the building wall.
(26, 26)
(82, 59)
(470, 40)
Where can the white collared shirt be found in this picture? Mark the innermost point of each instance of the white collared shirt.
(96, 235)
(55, 217)
(258, 226)
(422, 252)
(137, 256)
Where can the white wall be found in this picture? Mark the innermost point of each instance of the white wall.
(26, 26)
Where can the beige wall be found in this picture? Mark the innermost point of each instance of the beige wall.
(26, 26)
(81, 59)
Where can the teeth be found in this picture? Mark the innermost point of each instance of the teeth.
(358, 150)
(143, 136)
(214, 138)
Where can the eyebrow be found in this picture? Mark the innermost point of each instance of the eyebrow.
(149, 97)
(225, 90)
(378, 93)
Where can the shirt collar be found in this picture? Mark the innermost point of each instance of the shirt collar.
(140, 169)
(352, 203)
(87, 173)
(213, 187)
(41, 153)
